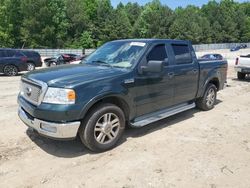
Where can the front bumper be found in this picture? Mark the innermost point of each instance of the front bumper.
(50, 129)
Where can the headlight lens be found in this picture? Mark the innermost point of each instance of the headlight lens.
(59, 96)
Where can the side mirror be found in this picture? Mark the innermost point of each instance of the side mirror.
(153, 67)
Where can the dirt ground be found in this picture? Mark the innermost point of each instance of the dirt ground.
(191, 149)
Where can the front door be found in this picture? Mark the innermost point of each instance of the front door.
(155, 91)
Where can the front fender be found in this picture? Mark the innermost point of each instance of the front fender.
(96, 99)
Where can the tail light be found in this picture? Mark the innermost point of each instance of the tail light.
(237, 61)
(24, 59)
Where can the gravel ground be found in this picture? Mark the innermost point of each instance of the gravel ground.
(192, 149)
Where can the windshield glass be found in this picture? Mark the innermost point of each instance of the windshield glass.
(116, 54)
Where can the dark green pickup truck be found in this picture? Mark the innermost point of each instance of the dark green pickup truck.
(125, 82)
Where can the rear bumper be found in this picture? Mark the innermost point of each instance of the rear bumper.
(242, 69)
(67, 130)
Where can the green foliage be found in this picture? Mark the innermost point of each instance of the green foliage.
(154, 21)
(189, 24)
(44, 23)
(90, 23)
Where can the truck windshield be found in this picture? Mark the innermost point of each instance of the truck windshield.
(116, 54)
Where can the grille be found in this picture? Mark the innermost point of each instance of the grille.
(31, 92)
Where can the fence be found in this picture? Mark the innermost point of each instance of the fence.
(203, 47)
(53, 52)
(198, 48)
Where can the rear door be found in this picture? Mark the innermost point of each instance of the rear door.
(186, 72)
(1, 59)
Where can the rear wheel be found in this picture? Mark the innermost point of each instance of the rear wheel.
(10, 70)
(30, 66)
(241, 76)
(102, 128)
(207, 101)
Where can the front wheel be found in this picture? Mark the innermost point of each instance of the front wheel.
(207, 101)
(102, 128)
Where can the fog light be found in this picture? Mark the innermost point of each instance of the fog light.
(47, 127)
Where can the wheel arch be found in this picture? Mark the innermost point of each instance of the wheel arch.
(214, 81)
(12, 65)
(31, 61)
(112, 99)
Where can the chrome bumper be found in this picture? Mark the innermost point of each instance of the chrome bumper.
(50, 129)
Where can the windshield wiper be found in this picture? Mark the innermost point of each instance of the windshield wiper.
(102, 62)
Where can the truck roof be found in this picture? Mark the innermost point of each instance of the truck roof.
(153, 40)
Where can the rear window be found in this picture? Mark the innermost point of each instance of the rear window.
(182, 54)
(31, 53)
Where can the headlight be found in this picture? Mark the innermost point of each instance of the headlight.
(59, 96)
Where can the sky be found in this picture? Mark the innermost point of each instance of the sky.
(171, 3)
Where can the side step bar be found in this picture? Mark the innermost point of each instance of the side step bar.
(156, 116)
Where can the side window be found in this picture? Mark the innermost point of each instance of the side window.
(19, 54)
(10, 53)
(158, 53)
(1, 53)
(182, 54)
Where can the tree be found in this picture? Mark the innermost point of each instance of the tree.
(5, 26)
(154, 21)
(189, 24)
(44, 23)
(120, 27)
(133, 11)
(225, 26)
(90, 23)
(244, 10)
(99, 28)
(15, 19)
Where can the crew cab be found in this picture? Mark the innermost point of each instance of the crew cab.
(242, 66)
(123, 83)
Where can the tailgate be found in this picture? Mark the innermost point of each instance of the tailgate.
(244, 61)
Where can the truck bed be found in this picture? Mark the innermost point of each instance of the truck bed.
(211, 69)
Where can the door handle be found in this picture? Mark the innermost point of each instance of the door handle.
(171, 75)
(195, 71)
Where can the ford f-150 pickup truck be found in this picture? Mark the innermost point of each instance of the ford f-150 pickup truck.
(242, 66)
(124, 82)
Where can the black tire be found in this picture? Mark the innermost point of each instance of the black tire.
(241, 76)
(52, 64)
(207, 101)
(10, 70)
(91, 131)
(30, 66)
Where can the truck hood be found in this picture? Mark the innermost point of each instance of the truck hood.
(72, 75)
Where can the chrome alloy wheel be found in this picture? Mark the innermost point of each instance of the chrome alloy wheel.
(30, 67)
(107, 128)
(210, 99)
